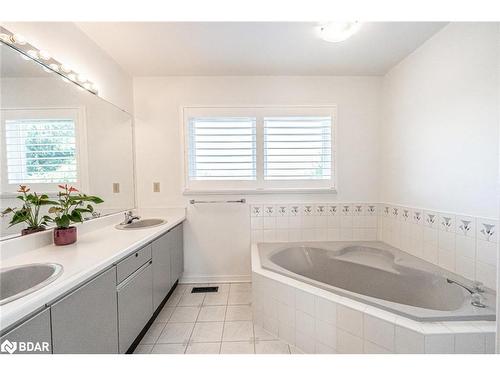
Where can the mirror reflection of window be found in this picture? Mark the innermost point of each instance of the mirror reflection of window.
(41, 148)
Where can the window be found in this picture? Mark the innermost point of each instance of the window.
(297, 148)
(41, 148)
(262, 148)
(222, 148)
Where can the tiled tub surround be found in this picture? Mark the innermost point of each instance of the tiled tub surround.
(377, 274)
(462, 244)
(319, 321)
(466, 245)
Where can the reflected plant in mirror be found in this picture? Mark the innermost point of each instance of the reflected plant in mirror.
(54, 133)
(70, 208)
(29, 213)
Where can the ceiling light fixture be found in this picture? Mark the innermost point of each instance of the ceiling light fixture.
(338, 31)
(30, 52)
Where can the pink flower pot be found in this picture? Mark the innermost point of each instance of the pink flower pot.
(64, 236)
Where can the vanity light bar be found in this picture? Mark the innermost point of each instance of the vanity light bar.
(19, 43)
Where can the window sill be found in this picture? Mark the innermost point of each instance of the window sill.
(261, 191)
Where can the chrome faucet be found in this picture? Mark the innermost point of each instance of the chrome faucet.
(475, 291)
(129, 218)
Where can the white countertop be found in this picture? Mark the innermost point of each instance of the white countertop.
(94, 251)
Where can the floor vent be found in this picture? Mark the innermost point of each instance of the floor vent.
(205, 289)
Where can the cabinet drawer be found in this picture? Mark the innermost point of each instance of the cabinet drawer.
(135, 306)
(132, 263)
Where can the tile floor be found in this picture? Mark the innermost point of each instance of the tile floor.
(210, 323)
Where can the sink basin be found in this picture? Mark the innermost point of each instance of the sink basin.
(141, 224)
(18, 281)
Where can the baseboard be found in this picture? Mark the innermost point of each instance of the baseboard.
(203, 279)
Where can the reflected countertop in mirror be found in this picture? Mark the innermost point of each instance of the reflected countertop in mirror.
(53, 132)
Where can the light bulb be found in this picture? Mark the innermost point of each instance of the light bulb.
(72, 76)
(338, 31)
(33, 54)
(87, 85)
(45, 55)
(65, 68)
(19, 39)
(82, 78)
(5, 38)
(54, 67)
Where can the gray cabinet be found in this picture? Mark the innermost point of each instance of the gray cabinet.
(177, 254)
(135, 305)
(32, 336)
(85, 321)
(162, 280)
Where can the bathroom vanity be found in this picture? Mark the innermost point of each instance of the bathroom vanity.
(110, 310)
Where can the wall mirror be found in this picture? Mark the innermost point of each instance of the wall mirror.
(54, 132)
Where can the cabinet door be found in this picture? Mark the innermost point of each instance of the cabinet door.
(30, 337)
(161, 269)
(177, 255)
(135, 305)
(180, 248)
(85, 321)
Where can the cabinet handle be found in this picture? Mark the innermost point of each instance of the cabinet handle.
(136, 255)
(151, 262)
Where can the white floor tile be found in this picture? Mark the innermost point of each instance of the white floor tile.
(235, 347)
(271, 347)
(195, 299)
(238, 331)
(153, 333)
(223, 288)
(203, 348)
(239, 312)
(143, 349)
(262, 334)
(173, 300)
(212, 314)
(295, 350)
(184, 314)
(165, 314)
(176, 333)
(240, 298)
(168, 349)
(207, 332)
(212, 299)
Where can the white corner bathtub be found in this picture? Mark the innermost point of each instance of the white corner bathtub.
(372, 291)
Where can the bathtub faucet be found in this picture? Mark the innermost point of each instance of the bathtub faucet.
(475, 291)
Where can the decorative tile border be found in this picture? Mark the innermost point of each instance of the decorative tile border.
(463, 244)
(313, 222)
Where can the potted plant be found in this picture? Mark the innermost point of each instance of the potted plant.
(29, 213)
(69, 208)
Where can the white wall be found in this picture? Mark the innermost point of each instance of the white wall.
(71, 46)
(218, 237)
(439, 129)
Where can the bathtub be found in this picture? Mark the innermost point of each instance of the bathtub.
(365, 298)
(379, 275)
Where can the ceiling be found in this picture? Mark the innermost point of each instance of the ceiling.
(255, 48)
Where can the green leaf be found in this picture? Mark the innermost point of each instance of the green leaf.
(63, 221)
(76, 216)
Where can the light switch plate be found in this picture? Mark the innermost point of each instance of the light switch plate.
(156, 187)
